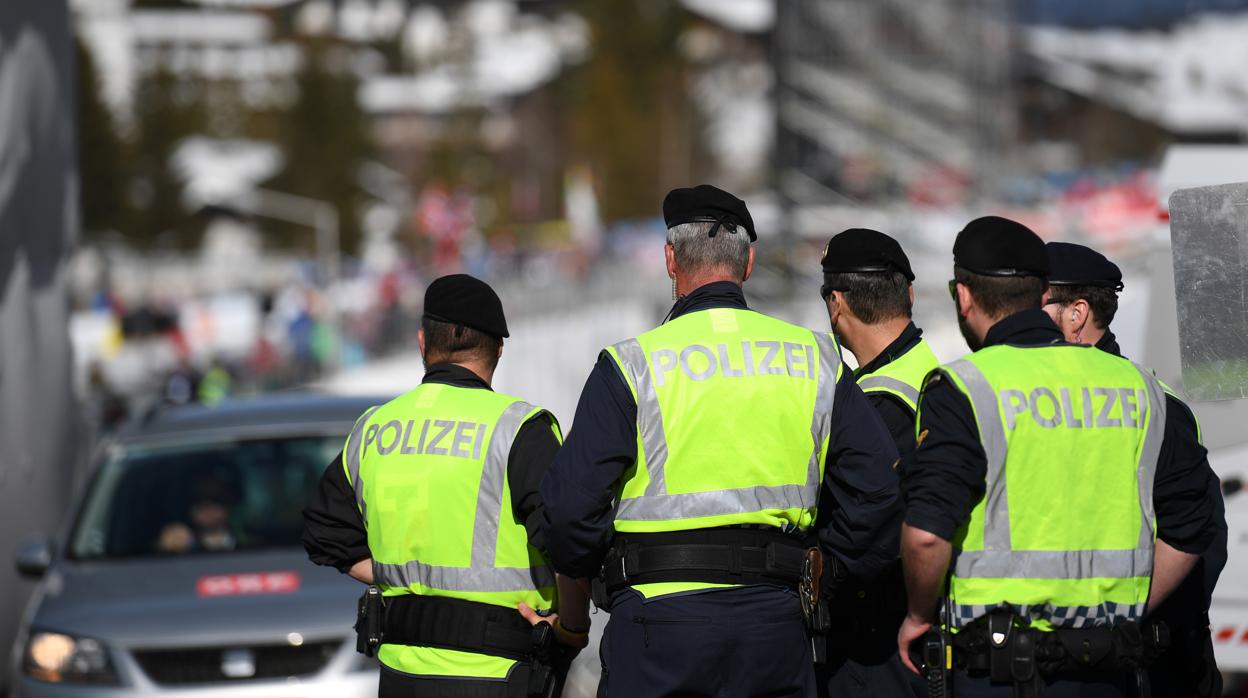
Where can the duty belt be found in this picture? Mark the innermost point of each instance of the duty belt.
(455, 624)
(712, 555)
(1002, 647)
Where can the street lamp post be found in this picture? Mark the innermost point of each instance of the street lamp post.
(319, 215)
(322, 217)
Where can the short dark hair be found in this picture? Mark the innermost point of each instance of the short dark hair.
(872, 297)
(454, 343)
(1103, 301)
(999, 296)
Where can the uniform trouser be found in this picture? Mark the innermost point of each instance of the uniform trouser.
(885, 678)
(1188, 669)
(396, 684)
(862, 648)
(1110, 687)
(730, 643)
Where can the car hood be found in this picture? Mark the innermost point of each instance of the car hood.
(258, 597)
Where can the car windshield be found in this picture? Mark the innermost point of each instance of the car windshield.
(216, 497)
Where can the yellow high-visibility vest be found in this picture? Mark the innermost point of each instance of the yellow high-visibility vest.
(1065, 530)
(734, 411)
(429, 470)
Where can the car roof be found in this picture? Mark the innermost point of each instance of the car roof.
(291, 412)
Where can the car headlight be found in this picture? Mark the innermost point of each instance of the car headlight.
(59, 658)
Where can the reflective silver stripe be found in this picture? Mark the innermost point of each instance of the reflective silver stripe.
(490, 491)
(649, 416)
(668, 507)
(657, 505)
(992, 436)
(1053, 564)
(821, 424)
(1150, 452)
(463, 578)
(352, 455)
(873, 382)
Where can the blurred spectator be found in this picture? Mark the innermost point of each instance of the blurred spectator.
(182, 385)
(215, 385)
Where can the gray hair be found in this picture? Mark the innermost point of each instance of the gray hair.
(697, 251)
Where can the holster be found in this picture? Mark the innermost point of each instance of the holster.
(370, 622)
(544, 680)
(815, 610)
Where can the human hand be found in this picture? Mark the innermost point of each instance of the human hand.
(911, 629)
(175, 538)
(576, 639)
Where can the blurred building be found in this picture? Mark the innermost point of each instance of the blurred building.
(887, 100)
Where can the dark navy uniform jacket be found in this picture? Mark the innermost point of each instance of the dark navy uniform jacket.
(860, 495)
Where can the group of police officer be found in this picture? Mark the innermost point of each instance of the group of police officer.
(761, 520)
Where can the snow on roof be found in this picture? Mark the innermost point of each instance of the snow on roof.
(246, 3)
(513, 54)
(1189, 80)
(749, 16)
(223, 170)
(198, 27)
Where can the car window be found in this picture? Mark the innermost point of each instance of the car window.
(201, 498)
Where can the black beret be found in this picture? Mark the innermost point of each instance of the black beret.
(468, 301)
(1077, 265)
(995, 246)
(863, 250)
(707, 204)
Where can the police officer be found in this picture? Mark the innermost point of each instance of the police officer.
(415, 505)
(1082, 300)
(1083, 295)
(690, 484)
(867, 288)
(1049, 484)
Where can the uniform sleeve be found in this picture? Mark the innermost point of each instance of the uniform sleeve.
(860, 498)
(333, 530)
(531, 455)
(579, 491)
(946, 475)
(898, 419)
(1185, 487)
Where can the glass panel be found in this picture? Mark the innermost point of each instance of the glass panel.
(202, 498)
(1209, 235)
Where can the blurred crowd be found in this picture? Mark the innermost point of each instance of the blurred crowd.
(205, 348)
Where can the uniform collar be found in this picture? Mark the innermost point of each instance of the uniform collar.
(453, 374)
(1108, 343)
(907, 340)
(1032, 327)
(718, 294)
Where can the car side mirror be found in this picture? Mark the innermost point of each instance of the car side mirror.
(33, 558)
